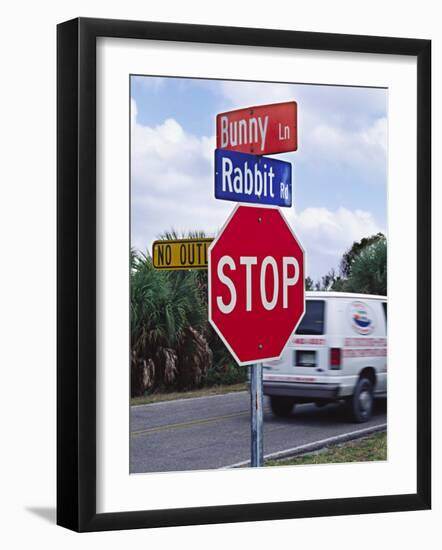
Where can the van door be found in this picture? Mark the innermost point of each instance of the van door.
(382, 375)
(309, 345)
(365, 343)
(305, 357)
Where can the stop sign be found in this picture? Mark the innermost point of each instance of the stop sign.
(256, 283)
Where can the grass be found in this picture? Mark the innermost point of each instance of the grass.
(373, 447)
(203, 392)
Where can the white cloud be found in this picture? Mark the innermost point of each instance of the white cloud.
(326, 234)
(172, 187)
(151, 84)
(244, 94)
(165, 158)
(171, 182)
(341, 125)
(361, 151)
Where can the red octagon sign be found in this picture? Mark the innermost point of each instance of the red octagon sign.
(256, 283)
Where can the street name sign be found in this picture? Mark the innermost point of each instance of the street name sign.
(180, 254)
(256, 283)
(260, 130)
(249, 178)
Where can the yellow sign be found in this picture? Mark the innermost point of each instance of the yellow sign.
(180, 254)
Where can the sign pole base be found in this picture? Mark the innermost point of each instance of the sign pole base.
(257, 415)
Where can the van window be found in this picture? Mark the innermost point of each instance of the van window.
(313, 320)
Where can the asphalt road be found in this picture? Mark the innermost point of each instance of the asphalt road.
(214, 432)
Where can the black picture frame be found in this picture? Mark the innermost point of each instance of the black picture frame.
(77, 287)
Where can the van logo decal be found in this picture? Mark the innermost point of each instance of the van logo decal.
(361, 317)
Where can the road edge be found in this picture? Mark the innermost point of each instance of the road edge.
(314, 445)
(187, 399)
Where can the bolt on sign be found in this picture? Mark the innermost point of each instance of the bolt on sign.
(260, 130)
(256, 283)
(180, 254)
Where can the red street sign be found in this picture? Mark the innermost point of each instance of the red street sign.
(261, 130)
(256, 283)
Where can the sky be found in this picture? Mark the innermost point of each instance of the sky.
(339, 170)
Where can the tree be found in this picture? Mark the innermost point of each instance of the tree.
(363, 269)
(223, 369)
(369, 269)
(329, 281)
(355, 250)
(168, 320)
(309, 283)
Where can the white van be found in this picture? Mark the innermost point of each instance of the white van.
(338, 352)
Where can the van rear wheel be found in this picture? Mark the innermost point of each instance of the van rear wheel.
(361, 403)
(281, 406)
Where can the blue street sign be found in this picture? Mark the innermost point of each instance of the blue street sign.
(242, 177)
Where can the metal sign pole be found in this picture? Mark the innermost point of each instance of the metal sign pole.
(256, 409)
